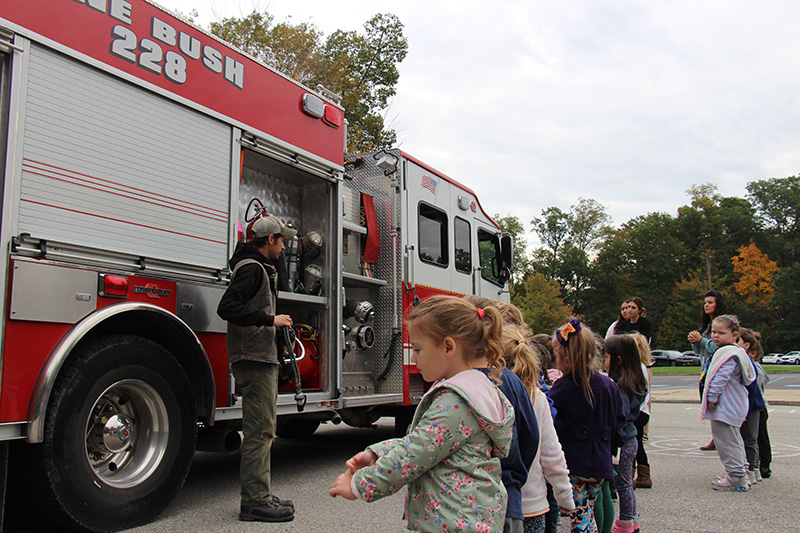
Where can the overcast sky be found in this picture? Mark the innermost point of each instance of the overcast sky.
(537, 103)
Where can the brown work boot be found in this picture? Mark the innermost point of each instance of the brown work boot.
(643, 481)
(709, 447)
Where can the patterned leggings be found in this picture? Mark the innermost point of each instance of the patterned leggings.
(535, 524)
(624, 480)
(584, 492)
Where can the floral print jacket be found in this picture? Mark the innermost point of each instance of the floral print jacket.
(450, 458)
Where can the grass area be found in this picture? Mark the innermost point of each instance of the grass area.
(770, 369)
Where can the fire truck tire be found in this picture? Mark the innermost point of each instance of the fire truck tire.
(119, 436)
(297, 428)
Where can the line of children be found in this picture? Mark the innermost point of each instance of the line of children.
(451, 458)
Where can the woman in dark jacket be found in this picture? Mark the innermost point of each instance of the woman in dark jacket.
(713, 306)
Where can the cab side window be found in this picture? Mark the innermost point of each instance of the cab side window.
(433, 242)
(463, 248)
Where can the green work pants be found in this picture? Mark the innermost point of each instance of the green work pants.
(259, 383)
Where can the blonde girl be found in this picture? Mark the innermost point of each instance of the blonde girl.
(549, 464)
(589, 420)
(726, 401)
(515, 467)
(450, 458)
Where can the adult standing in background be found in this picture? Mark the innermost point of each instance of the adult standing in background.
(623, 316)
(714, 305)
(637, 320)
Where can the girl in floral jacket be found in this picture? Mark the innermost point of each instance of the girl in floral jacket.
(450, 458)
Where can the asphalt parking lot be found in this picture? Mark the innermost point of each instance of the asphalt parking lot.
(681, 499)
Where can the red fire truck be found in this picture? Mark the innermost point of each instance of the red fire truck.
(134, 149)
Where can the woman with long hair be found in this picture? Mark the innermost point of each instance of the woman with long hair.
(623, 316)
(637, 319)
(714, 305)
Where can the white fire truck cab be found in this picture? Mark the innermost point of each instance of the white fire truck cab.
(134, 150)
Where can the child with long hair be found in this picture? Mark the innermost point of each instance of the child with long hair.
(549, 464)
(643, 479)
(623, 365)
(590, 417)
(450, 459)
(726, 401)
(751, 341)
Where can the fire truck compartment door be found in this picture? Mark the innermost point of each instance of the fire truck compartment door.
(109, 165)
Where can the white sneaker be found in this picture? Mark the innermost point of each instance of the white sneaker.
(726, 484)
(751, 477)
(758, 475)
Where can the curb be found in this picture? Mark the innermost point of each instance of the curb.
(697, 402)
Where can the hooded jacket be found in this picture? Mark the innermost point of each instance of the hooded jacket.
(248, 306)
(729, 373)
(450, 458)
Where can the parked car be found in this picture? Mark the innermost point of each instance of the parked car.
(671, 358)
(692, 359)
(791, 358)
(772, 359)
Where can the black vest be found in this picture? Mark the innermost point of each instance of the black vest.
(254, 343)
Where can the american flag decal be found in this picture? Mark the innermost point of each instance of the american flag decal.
(429, 183)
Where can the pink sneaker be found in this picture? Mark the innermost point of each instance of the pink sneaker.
(623, 527)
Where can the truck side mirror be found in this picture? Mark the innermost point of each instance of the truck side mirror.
(506, 258)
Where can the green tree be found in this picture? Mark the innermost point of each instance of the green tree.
(364, 68)
(785, 333)
(552, 229)
(682, 315)
(541, 304)
(571, 240)
(514, 227)
(777, 204)
(589, 224)
(360, 67)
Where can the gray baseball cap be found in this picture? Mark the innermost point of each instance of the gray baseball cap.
(271, 225)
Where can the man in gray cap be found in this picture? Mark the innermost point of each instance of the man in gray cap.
(249, 307)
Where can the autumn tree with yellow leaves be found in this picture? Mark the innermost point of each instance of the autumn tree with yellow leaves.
(755, 274)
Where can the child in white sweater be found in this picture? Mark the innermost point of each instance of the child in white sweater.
(549, 463)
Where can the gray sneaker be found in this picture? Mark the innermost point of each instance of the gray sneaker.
(272, 511)
(727, 484)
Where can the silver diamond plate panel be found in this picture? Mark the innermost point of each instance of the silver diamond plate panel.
(386, 300)
(306, 202)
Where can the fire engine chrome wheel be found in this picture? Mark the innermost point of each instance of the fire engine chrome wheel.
(119, 438)
(126, 433)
